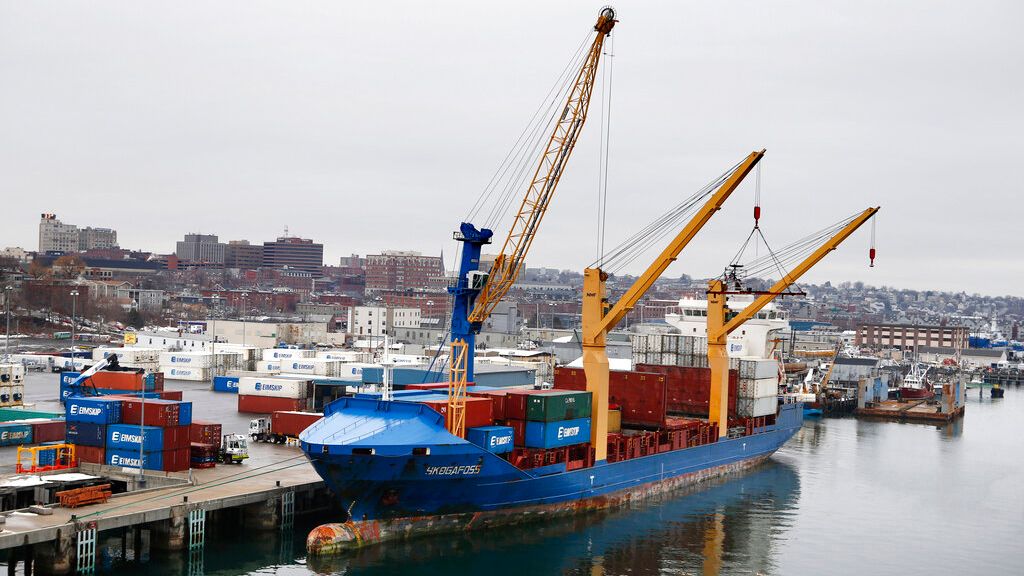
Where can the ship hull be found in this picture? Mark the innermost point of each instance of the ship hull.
(464, 487)
(915, 393)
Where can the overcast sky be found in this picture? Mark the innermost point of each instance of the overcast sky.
(373, 126)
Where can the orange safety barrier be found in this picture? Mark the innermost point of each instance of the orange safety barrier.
(63, 458)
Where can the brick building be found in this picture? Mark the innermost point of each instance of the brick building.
(397, 271)
(910, 336)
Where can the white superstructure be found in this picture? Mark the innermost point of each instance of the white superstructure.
(754, 338)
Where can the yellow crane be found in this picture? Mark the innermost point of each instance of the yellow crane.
(722, 321)
(599, 317)
(476, 294)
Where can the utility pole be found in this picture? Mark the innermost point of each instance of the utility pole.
(74, 303)
(7, 313)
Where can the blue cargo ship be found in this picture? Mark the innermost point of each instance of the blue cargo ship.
(398, 472)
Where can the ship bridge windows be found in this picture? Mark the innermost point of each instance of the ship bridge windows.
(364, 451)
(424, 451)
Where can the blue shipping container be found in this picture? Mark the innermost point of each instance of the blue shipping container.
(68, 377)
(66, 392)
(497, 439)
(557, 434)
(130, 459)
(11, 434)
(128, 437)
(85, 433)
(225, 384)
(95, 410)
(184, 413)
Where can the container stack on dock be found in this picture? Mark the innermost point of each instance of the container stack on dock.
(114, 430)
(264, 395)
(205, 440)
(132, 357)
(118, 383)
(12, 384)
(199, 366)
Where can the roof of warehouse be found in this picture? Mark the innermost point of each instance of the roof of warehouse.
(857, 361)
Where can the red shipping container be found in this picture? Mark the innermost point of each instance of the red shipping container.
(498, 398)
(158, 382)
(518, 430)
(689, 388)
(50, 431)
(160, 413)
(478, 410)
(268, 404)
(171, 395)
(202, 432)
(292, 423)
(177, 437)
(90, 454)
(127, 381)
(177, 460)
(515, 403)
(642, 396)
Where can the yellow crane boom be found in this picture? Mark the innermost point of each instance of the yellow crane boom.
(722, 321)
(598, 319)
(549, 171)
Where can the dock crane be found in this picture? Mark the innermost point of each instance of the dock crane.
(722, 321)
(477, 293)
(599, 318)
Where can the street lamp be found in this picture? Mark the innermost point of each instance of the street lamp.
(7, 312)
(74, 303)
(244, 296)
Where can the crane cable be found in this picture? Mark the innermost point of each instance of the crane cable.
(631, 248)
(522, 151)
(606, 120)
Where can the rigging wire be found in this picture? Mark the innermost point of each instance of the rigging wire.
(522, 143)
(606, 112)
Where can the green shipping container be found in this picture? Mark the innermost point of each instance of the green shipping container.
(558, 405)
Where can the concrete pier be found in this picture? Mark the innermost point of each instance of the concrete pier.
(254, 489)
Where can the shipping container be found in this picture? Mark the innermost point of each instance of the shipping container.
(12, 433)
(313, 366)
(641, 396)
(130, 459)
(555, 405)
(129, 437)
(557, 434)
(153, 412)
(202, 432)
(287, 423)
(276, 387)
(515, 403)
(751, 368)
(268, 366)
(518, 430)
(496, 439)
(689, 388)
(175, 395)
(177, 460)
(760, 388)
(614, 420)
(128, 355)
(430, 386)
(225, 384)
(90, 454)
(126, 381)
(268, 404)
(95, 410)
(186, 373)
(498, 401)
(287, 354)
(478, 410)
(345, 355)
(48, 431)
(751, 407)
(85, 433)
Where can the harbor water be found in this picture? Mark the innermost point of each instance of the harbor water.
(844, 496)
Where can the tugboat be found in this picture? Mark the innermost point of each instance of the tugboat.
(997, 391)
(915, 386)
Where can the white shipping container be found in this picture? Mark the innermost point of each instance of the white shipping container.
(14, 372)
(185, 372)
(268, 366)
(751, 407)
(344, 355)
(187, 359)
(317, 366)
(760, 388)
(273, 386)
(149, 367)
(287, 353)
(353, 371)
(752, 368)
(133, 354)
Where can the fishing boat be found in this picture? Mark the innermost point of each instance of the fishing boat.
(915, 385)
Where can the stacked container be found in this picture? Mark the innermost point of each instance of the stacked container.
(199, 366)
(287, 354)
(265, 395)
(133, 357)
(478, 410)
(120, 382)
(161, 428)
(548, 418)
(225, 384)
(268, 366)
(205, 443)
(87, 419)
(314, 366)
(758, 388)
(345, 355)
(12, 384)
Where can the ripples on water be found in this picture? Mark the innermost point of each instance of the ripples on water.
(844, 496)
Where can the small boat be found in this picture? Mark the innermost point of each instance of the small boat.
(915, 386)
(997, 391)
(812, 412)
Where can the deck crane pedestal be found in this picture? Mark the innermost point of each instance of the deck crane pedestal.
(599, 318)
(722, 321)
(476, 293)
